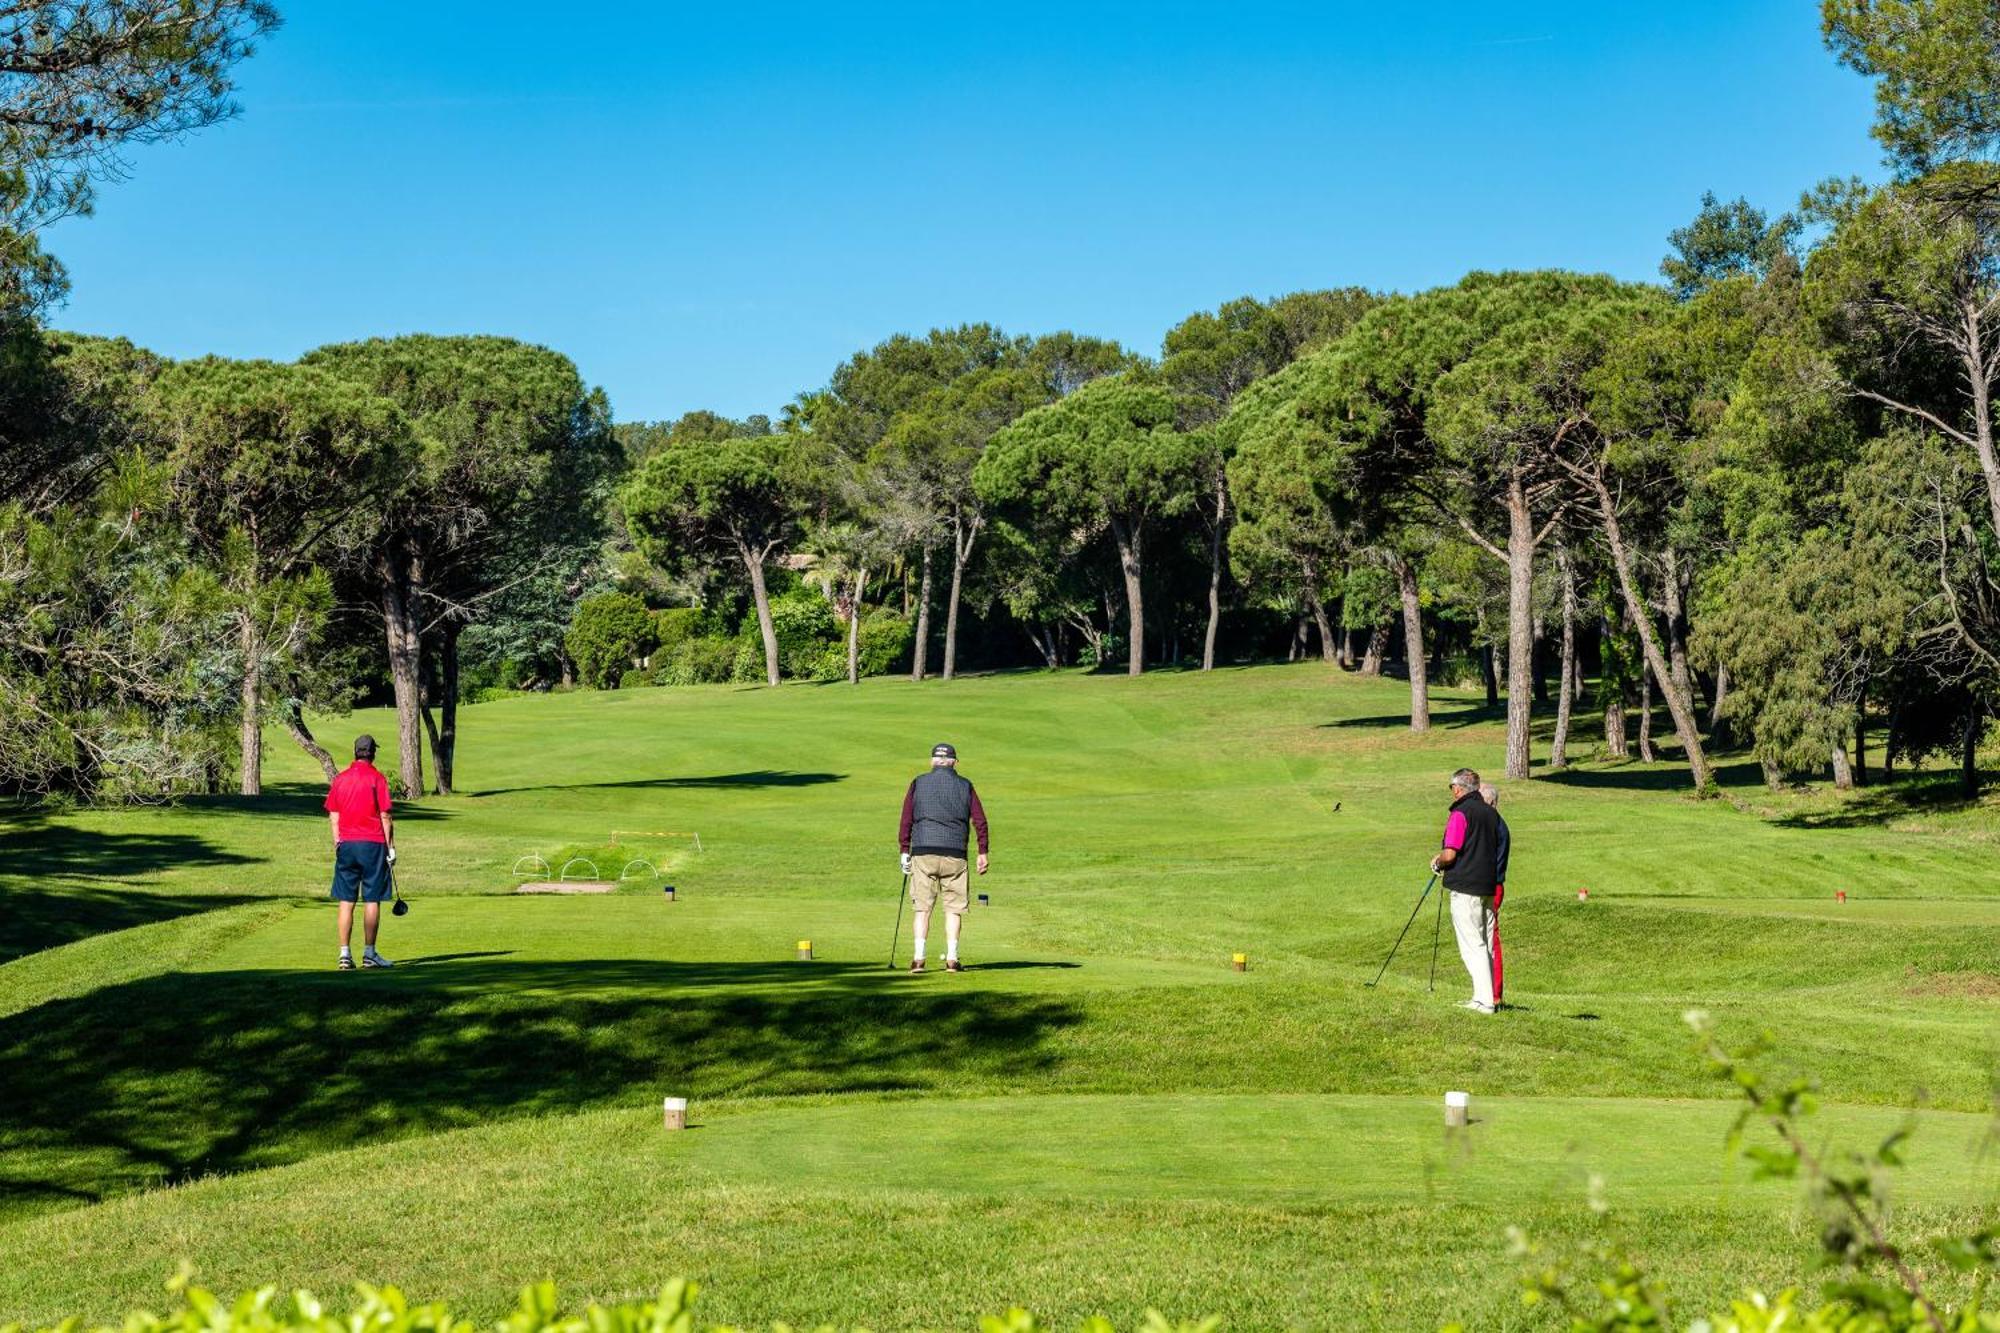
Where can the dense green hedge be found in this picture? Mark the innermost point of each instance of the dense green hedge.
(608, 633)
(692, 646)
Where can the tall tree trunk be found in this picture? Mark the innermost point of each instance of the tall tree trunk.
(1576, 690)
(1646, 755)
(1566, 684)
(1861, 737)
(1215, 570)
(1718, 725)
(1538, 654)
(1843, 771)
(753, 561)
(295, 723)
(1889, 736)
(1615, 741)
(963, 534)
(252, 735)
(1044, 639)
(1378, 647)
(399, 623)
(854, 627)
(1413, 645)
(920, 657)
(1520, 626)
(1128, 536)
(1774, 777)
(1673, 596)
(1979, 375)
(1309, 592)
(1489, 674)
(1677, 702)
(444, 740)
(1329, 649)
(1968, 755)
(1298, 649)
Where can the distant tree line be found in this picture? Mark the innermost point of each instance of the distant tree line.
(1755, 506)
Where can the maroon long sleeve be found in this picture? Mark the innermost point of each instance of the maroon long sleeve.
(978, 821)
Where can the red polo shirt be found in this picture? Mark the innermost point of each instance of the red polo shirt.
(359, 796)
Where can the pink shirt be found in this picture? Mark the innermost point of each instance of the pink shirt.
(1454, 831)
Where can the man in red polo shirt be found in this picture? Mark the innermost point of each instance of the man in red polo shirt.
(364, 847)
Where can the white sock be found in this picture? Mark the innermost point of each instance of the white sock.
(951, 951)
(346, 952)
(917, 954)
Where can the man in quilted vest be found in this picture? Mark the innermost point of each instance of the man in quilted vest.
(939, 810)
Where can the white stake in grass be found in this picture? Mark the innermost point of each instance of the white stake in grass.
(1457, 1110)
(677, 1112)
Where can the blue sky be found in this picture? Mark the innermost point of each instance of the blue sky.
(711, 206)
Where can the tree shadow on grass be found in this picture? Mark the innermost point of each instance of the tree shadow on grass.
(1902, 798)
(1017, 966)
(765, 777)
(33, 919)
(180, 1075)
(1638, 777)
(60, 883)
(1464, 715)
(38, 849)
(299, 800)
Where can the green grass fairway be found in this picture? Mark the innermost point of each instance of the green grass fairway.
(1098, 1115)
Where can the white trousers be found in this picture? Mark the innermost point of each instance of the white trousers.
(1472, 922)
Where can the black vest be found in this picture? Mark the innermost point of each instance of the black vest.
(1476, 870)
(940, 813)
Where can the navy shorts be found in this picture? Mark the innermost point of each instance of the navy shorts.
(361, 871)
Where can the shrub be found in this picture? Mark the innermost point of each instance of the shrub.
(886, 637)
(606, 635)
(387, 1310)
(697, 661)
(747, 666)
(675, 626)
(805, 627)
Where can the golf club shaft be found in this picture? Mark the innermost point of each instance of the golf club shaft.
(1406, 928)
(1437, 933)
(897, 934)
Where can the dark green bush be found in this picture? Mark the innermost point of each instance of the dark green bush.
(675, 626)
(696, 661)
(608, 633)
(812, 644)
(886, 637)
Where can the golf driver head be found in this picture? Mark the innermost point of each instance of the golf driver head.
(402, 907)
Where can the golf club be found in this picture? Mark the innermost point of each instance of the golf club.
(897, 934)
(402, 907)
(1437, 933)
(1406, 930)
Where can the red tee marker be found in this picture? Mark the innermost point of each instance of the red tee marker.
(1583, 895)
(1840, 895)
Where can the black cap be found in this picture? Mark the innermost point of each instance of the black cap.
(364, 746)
(943, 751)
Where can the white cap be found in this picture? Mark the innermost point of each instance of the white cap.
(1457, 1099)
(676, 1104)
